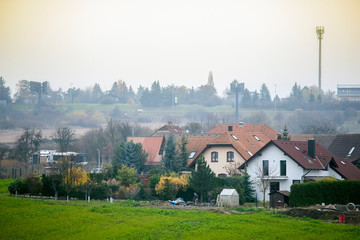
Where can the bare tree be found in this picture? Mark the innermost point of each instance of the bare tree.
(64, 136)
(264, 175)
(233, 168)
(28, 143)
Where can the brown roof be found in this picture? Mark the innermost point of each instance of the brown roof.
(171, 128)
(153, 146)
(246, 128)
(343, 144)
(323, 139)
(246, 144)
(298, 151)
(345, 168)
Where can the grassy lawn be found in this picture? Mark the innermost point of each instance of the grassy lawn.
(48, 219)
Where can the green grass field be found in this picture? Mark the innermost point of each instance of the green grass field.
(23, 218)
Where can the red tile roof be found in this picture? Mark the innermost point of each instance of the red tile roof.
(153, 146)
(246, 128)
(171, 128)
(246, 144)
(197, 144)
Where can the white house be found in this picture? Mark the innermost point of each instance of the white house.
(279, 164)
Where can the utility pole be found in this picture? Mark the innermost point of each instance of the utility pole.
(319, 32)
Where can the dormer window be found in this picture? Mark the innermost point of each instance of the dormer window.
(308, 160)
(192, 154)
(351, 151)
(249, 152)
(257, 139)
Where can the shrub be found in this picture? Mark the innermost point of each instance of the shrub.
(19, 186)
(329, 192)
(100, 192)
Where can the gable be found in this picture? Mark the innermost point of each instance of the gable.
(153, 146)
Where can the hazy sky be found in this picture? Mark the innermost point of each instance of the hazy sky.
(82, 42)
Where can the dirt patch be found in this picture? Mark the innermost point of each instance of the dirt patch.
(329, 215)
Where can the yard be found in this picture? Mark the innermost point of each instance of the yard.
(24, 218)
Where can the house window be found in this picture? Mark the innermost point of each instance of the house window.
(230, 156)
(214, 156)
(282, 167)
(265, 167)
(274, 186)
(296, 181)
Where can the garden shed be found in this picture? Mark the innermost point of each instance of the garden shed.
(228, 197)
(279, 199)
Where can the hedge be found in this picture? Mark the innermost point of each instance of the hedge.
(328, 192)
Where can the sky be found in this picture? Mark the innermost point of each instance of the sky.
(77, 43)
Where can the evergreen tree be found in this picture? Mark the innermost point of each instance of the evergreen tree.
(285, 135)
(264, 94)
(4, 91)
(296, 92)
(130, 154)
(183, 154)
(202, 180)
(156, 96)
(146, 98)
(255, 98)
(247, 187)
(246, 98)
(169, 159)
(96, 93)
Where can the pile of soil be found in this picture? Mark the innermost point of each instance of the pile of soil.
(327, 215)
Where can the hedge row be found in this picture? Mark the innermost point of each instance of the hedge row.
(44, 186)
(328, 192)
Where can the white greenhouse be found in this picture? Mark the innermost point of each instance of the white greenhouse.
(228, 197)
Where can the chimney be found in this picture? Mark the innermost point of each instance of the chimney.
(230, 128)
(170, 123)
(311, 148)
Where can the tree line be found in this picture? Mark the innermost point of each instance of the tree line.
(166, 96)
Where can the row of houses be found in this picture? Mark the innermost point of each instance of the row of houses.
(228, 149)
